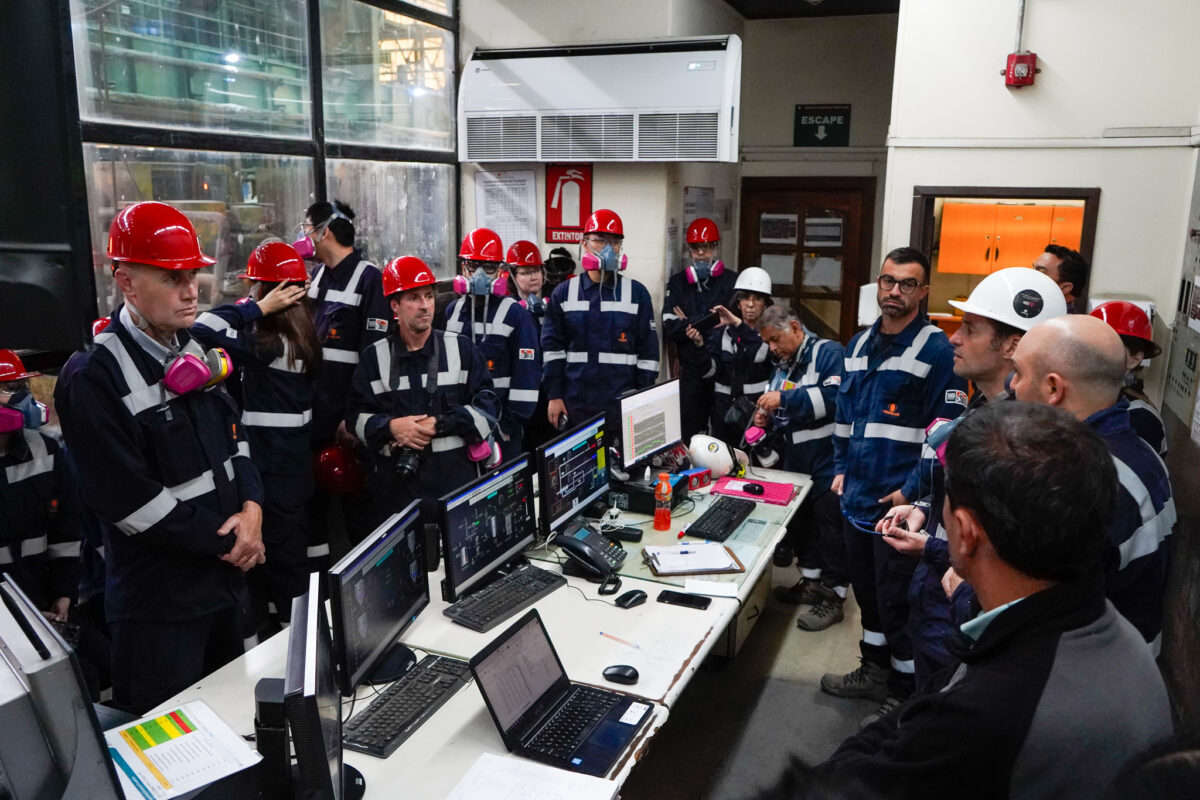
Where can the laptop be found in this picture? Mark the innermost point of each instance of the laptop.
(542, 715)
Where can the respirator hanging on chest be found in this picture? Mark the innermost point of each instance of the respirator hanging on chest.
(22, 411)
(534, 305)
(606, 260)
(187, 372)
(480, 284)
(703, 270)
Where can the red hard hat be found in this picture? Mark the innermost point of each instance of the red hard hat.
(275, 261)
(524, 254)
(703, 231)
(11, 368)
(338, 471)
(1131, 323)
(482, 244)
(156, 234)
(604, 221)
(404, 273)
(100, 325)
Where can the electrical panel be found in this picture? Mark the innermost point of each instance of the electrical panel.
(1179, 394)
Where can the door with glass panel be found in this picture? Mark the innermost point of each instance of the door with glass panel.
(813, 237)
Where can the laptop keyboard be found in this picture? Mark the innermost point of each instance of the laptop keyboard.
(404, 705)
(487, 607)
(573, 721)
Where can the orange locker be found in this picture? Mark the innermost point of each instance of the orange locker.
(1021, 234)
(1066, 228)
(966, 242)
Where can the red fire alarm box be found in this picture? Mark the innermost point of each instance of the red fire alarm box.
(1021, 69)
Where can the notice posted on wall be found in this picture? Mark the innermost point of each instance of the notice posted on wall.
(1194, 306)
(506, 202)
(180, 751)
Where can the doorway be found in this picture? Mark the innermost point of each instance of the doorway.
(813, 237)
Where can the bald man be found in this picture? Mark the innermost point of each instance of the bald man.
(1078, 364)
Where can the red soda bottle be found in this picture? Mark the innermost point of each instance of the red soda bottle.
(662, 503)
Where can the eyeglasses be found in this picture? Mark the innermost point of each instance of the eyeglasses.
(703, 247)
(527, 272)
(615, 241)
(907, 286)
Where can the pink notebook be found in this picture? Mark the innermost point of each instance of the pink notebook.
(779, 494)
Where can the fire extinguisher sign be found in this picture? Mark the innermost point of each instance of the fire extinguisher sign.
(568, 201)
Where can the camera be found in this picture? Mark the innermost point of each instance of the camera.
(405, 462)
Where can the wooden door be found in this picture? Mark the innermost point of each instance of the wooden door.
(965, 244)
(1066, 228)
(813, 236)
(1021, 234)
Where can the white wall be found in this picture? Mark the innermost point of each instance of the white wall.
(820, 60)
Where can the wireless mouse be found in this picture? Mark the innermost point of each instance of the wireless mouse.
(621, 673)
(753, 488)
(634, 597)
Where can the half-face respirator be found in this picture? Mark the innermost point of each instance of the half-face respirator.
(703, 270)
(22, 411)
(480, 284)
(606, 260)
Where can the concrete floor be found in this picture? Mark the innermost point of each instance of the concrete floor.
(739, 721)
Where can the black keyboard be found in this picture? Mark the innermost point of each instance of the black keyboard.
(403, 706)
(721, 518)
(565, 731)
(490, 605)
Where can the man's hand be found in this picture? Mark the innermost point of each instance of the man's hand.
(903, 540)
(344, 436)
(725, 316)
(950, 582)
(769, 401)
(284, 295)
(58, 610)
(838, 481)
(555, 409)
(896, 498)
(694, 335)
(246, 525)
(413, 431)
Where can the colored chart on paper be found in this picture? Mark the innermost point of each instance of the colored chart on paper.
(177, 752)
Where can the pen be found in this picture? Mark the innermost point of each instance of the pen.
(619, 639)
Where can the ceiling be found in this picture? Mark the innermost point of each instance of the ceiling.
(787, 9)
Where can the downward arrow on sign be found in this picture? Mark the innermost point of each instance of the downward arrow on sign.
(821, 134)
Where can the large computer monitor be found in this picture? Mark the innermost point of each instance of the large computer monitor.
(375, 592)
(649, 422)
(313, 703)
(572, 474)
(52, 744)
(485, 525)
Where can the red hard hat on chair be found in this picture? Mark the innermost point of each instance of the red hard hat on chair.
(1131, 323)
(524, 254)
(275, 262)
(604, 221)
(703, 231)
(482, 244)
(338, 471)
(156, 234)
(404, 273)
(11, 368)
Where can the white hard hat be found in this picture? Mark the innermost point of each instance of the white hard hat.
(715, 456)
(753, 279)
(1017, 296)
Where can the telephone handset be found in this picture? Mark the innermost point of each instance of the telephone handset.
(596, 553)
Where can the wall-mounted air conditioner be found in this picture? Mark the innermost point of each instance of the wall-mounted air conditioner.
(663, 100)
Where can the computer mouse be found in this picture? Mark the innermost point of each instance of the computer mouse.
(621, 673)
(634, 597)
(753, 488)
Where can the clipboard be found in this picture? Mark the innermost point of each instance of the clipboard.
(650, 562)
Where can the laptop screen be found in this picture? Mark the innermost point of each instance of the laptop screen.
(519, 672)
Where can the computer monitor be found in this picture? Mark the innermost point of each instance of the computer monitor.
(313, 703)
(375, 592)
(485, 525)
(52, 745)
(649, 422)
(572, 474)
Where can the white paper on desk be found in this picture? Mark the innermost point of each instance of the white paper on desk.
(176, 752)
(714, 588)
(495, 778)
(683, 558)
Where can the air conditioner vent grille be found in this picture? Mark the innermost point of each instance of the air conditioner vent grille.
(678, 136)
(501, 138)
(599, 136)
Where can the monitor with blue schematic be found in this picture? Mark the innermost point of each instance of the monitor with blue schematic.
(486, 525)
(572, 474)
(52, 745)
(375, 592)
(313, 704)
(649, 423)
